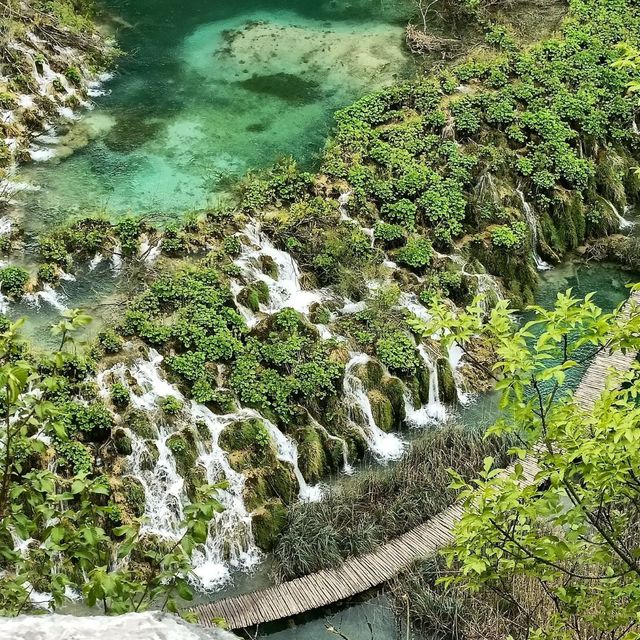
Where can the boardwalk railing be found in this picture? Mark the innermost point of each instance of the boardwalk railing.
(360, 573)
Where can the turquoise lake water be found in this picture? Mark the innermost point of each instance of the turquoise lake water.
(207, 90)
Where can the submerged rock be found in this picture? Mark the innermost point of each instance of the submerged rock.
(131, 626)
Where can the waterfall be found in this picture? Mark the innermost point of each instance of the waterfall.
(532, 221)
(384, 446)
(116, 259)
(288, 452)
(434, 411)
(455, 355)
(286, 290)
(230, 542)
(47, 294)
(347, 468)
(95, 261)
(623, 223)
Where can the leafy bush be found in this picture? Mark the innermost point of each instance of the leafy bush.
(13, 281)
(417, 253)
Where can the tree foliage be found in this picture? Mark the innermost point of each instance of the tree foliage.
(572, 535)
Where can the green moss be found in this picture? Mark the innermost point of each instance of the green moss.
(267, 524)
(446, 381)
(394, 390)
(312, 456)
(122, 442)
(370, 373)
(382, 410)
(138, 421)
(133, 494)
(251, 438)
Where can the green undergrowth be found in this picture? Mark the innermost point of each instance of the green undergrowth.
(380, 504)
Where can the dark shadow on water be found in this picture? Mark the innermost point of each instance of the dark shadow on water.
(287, 86)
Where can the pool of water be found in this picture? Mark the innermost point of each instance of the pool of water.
(207, 90)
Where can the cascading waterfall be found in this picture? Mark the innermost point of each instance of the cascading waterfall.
(288, 452)
(434, 411)
(347, 468)
(230, 542)
(532, 221)
(623, 223)
(286, 290)
(384, 446)
(455, 356)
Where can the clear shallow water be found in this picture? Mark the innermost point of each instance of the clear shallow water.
(206, 91)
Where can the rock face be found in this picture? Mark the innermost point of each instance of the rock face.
(131, 626)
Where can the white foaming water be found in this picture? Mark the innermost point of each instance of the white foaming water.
(116, 260)
(130, 626)
(434, 411)
(532, 221)
(384, 446)
(49, 295)
(95, 261)
(623, 223)
(230, 542)
(410, 302)
(153, 253)
(455, 356)
(347, 468)
(286, 291)
(6, 225)
(288, 452)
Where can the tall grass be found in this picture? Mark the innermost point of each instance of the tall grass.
(381, 504)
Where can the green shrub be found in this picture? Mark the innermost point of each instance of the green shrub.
(417, 253)
(171, 405)
(13, 281)
(510, 236)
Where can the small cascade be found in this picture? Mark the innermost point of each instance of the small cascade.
(434, 411)
(347, 468)
(455, 355)
(95, 261)
(288, 452)
(384, 446)
(343, 201)
(116, 260)
(230, 542)
(410, 302)
(532, 221)
(47, 294)
(623, 223)
(286, 290)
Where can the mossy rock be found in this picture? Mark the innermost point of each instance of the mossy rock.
(252, 296)
(256, 490)
(268, 266)
(394, 389)
(371, 374)
(133, 493)
(251, 438)
(122, 442)
(138, 422)
(382, 410)
(423, 378)
(268, 522)
(446, 381)
(282, 482)
(340, 354)
(312, 458)
(149, 458)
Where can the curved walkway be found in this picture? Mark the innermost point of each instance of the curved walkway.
(360, 573)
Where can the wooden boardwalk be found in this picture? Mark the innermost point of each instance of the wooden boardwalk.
(360, 573)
